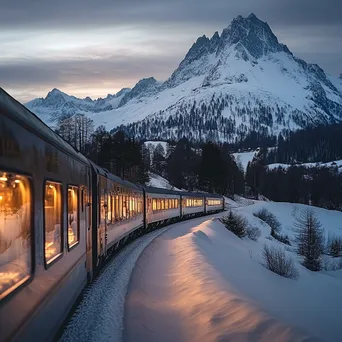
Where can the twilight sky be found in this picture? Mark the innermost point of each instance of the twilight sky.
(92, 48)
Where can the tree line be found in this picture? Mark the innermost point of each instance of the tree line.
(207, 167)
(211, 167)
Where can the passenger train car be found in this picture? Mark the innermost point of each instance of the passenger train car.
(61, 216)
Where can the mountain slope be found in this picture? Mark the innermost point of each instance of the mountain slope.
(240, 81)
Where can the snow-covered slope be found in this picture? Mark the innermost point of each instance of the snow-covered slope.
(332, 164)
(160, 182)
(244, 158)
(240, 81)
(199, 282)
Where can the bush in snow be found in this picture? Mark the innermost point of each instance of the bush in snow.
(309, 239)
(275, 260)
(331, 264)
(253, 233)
(334, 246)
(281, 238)
(235, 223)
(266, 216)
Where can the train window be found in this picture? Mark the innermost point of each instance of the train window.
(124, 207)
(140, 205)
(73, 219)
(166, 203)
(118, 207)
(113, 204)
(82, 199)
(53, 220)
(176, 203)
(154, 204)
(15, 231)
(109, 208)
(162, 207)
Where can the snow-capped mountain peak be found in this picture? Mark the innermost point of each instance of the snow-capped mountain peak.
(226, 86)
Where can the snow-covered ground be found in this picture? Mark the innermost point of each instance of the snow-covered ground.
(154, 144)
(199, 282)
(244, 158)
(336, 163)
(99, 317)
(160, 182)
(196, 281)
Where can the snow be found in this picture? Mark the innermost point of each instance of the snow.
(154, 144)
(244, 158)
(199, 282)
(277, 81)
(99, 317)
(336, 163)
(160, 182)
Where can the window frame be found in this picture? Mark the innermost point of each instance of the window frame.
(74, 245)
(47, 264)
(9, 293)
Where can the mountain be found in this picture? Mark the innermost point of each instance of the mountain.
(226, 86)
(57, 104)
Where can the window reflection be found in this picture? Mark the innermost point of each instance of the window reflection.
(15, 231)
(72, 215)
(53, 213)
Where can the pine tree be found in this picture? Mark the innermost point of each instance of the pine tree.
(309, 239)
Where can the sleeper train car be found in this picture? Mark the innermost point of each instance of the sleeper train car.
(61, 216)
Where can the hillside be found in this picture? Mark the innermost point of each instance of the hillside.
(240, 81)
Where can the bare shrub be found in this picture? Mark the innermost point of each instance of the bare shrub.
(331, 264)
(281, 238)
(275, 260)
(235, 223)
(253, 233)
(266, 216)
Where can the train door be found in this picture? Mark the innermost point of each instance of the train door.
(88, 227)
(102, 215)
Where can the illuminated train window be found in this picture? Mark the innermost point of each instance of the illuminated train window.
(53, 218)
(15, 231)
(214, 202)
(73, 219)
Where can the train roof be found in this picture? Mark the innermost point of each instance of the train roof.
(213, 195)
(104, 172)
(153, 190)
(193, 194)
(19, 113)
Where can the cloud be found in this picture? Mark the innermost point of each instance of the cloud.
(85, 13)
(95, 47)
(94, 77)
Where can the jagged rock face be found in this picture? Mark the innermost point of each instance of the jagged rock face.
(144, 86)
(226, 86)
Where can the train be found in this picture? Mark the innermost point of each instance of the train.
(61, 217)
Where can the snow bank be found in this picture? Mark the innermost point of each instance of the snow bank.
(99, 317)
(160, 182)
(199, 282)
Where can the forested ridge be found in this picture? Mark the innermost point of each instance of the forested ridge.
(211, 167)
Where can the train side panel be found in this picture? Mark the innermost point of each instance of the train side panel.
(49, 241)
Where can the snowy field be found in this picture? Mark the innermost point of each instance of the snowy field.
(196, 281)
(199, 282)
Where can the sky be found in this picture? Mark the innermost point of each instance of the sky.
(92, 48)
